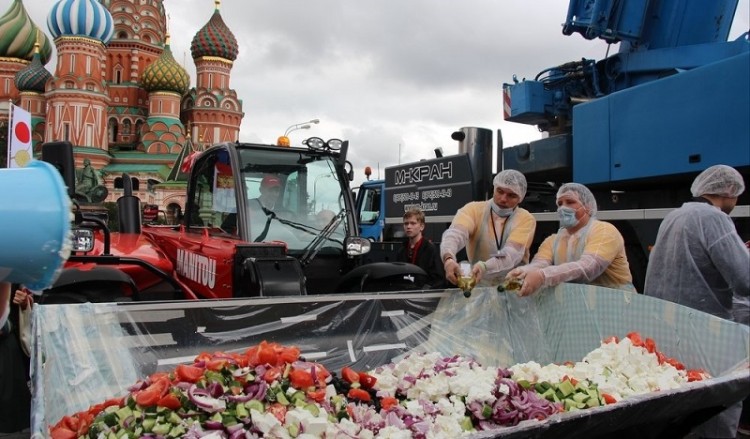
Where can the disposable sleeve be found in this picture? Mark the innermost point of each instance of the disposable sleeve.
(453, 240)
(543, 256)
(507, 258)
(584, 270)
(730, 256)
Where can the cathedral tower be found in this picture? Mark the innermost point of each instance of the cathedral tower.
(77, 96)
(212, 107)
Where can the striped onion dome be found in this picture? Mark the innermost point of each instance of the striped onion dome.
(34, 76)
(215, 39)
(18, 35)
(85, 18)
(165, 74)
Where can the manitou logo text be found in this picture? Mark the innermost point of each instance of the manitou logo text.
(197, 268)
(420, 173)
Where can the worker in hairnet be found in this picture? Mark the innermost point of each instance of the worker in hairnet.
(584, 250)
(700, 261)
(496, 233)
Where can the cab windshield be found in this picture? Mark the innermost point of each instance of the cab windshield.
(293, 197)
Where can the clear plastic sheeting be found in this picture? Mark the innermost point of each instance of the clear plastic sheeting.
(86, 353)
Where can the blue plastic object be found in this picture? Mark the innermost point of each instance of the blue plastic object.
(34, 225)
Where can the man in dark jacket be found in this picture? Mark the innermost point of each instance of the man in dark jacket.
(419, 251)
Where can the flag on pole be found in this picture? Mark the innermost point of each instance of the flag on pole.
(19, 137)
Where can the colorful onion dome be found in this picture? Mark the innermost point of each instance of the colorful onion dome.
(34, 76)
(165, 74)
(215, 39)
(18, 35)
(85, 18)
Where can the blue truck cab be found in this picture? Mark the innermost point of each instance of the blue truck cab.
(371, 209)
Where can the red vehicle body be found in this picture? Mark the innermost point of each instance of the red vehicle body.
(228, 244)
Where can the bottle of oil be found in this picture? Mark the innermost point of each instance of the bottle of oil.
(510, 286)
(466, 281)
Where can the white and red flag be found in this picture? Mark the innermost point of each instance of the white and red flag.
(19, 137)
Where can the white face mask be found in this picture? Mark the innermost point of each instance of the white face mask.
(567, 217)
(502, 212)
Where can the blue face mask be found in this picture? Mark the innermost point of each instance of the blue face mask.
(567, 217)
(502, 212)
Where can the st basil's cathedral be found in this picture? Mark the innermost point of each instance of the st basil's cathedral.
(117, 93)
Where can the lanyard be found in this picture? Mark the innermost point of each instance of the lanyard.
(498, 242)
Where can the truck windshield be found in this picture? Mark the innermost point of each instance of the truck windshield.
(292, 196)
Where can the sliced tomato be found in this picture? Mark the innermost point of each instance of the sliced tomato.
(70, 422)
(278, 411)
(660, 357)
(272, 374)
(158, 376)
(349, 375)
(161, 386)
(240, 359)
(114, 401)
(635, 339)
(321, 375)
(317, 395)
(217, 364)
(252, 356)
(676, 364)
(289, 354)
(387, 402)
(359, 394)
(608, 399)
(148, 397)
(266, 354)
(695, 375)
(85, 421)
(301, 379)
(188, 374)
(62, 433)
(169, 401)
(650, 345)
(96, 409)
(203, 356)
(612, 339)
(366, 380)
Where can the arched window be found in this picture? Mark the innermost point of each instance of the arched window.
(138, 128)
(126, 127)
(112, 130)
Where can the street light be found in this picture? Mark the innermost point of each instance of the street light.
(301, 126)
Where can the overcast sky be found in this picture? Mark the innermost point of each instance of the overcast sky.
(394, 77)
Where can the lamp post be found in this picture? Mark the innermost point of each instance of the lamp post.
(301, 126)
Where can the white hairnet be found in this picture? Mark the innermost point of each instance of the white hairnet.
(513, 180)
(718, 180)
(583, 194)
